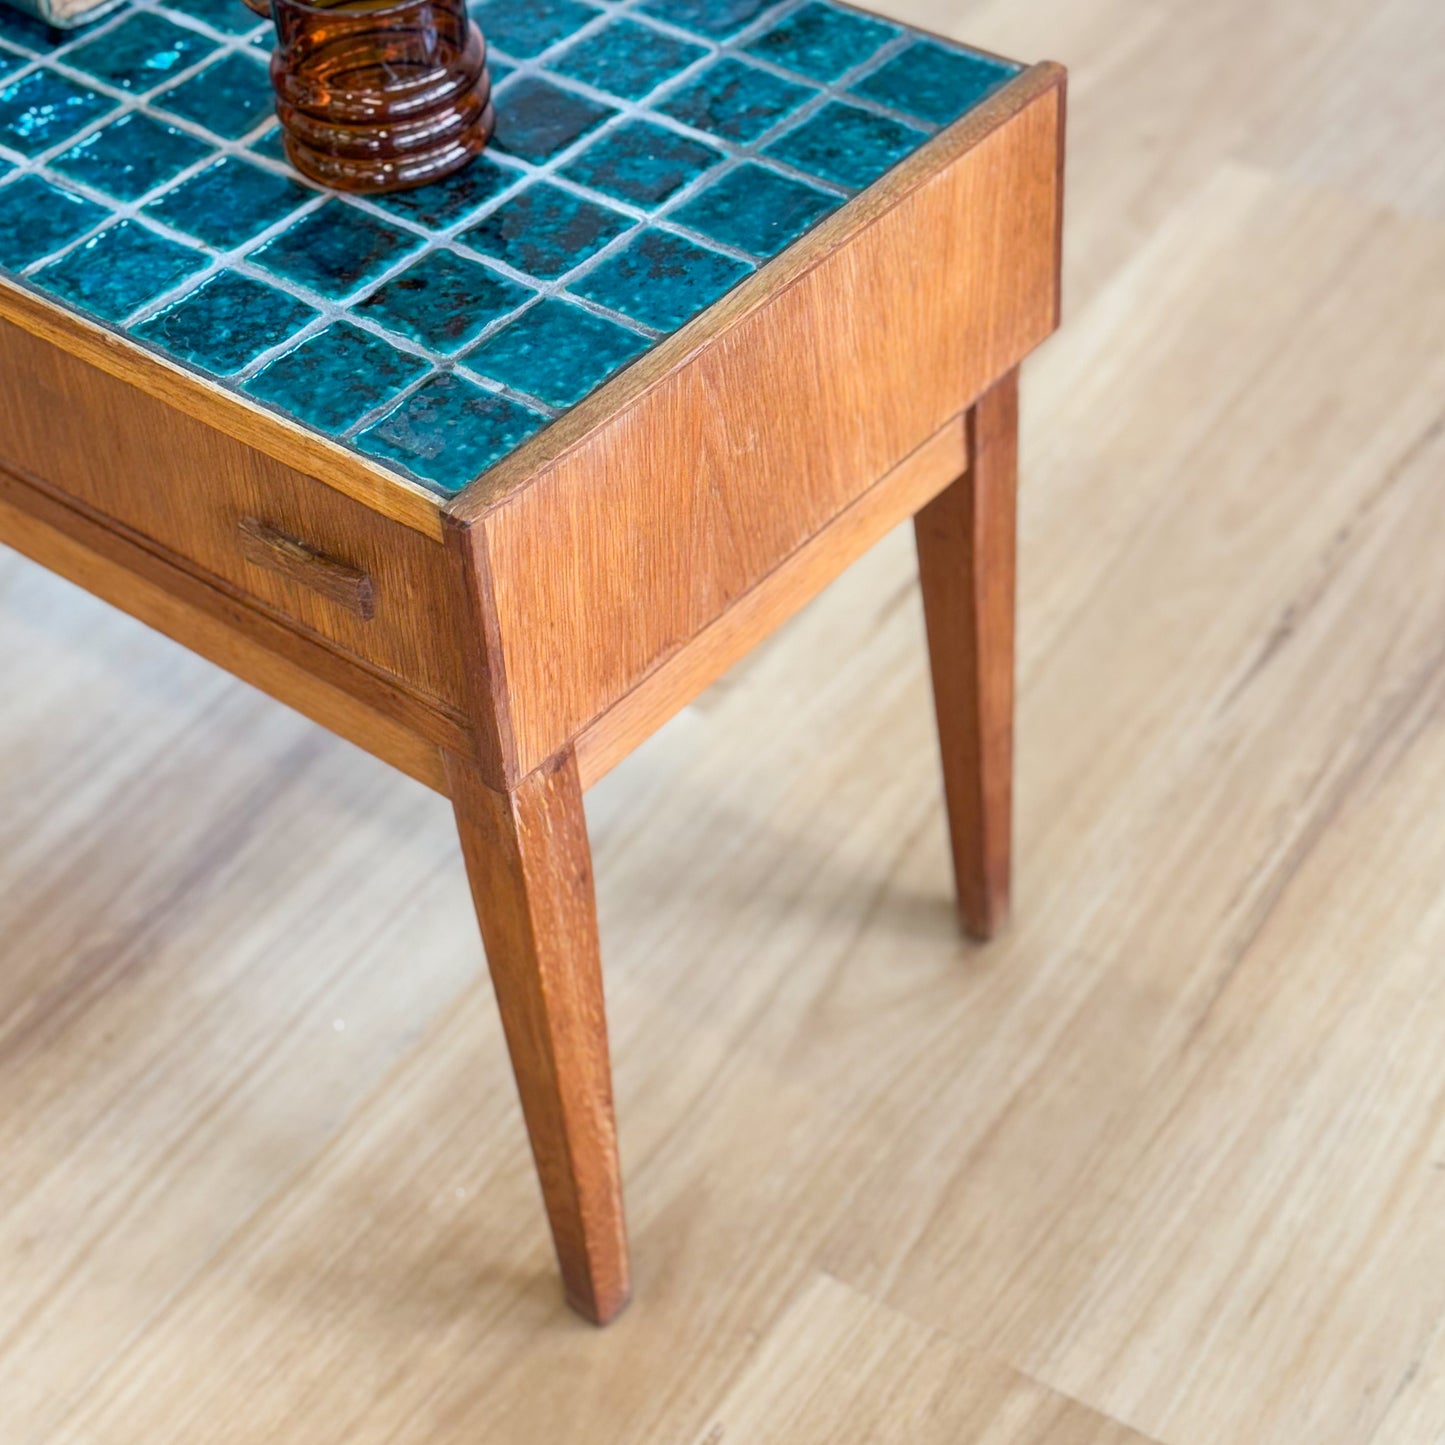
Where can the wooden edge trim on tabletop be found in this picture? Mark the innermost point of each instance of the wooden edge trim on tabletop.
(525, 465)
(322, 685)
(665, 691)
(383, 491)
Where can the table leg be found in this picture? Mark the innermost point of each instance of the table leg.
(966, 541)
(530, 869)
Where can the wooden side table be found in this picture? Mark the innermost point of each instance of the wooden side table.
(494, 477)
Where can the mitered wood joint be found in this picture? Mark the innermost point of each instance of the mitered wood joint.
(268, 547)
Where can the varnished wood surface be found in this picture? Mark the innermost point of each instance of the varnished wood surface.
(966, 539)
(213, 405)
(1169, 1148)
(187, 487)
(798, 400)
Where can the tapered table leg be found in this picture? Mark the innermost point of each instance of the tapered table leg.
(966, 543)
(530, 869)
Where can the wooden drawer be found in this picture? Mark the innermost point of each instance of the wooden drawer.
(319, 560)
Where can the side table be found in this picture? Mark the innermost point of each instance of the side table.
(495, 476)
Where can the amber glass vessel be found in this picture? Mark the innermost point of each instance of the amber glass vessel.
(379, 95)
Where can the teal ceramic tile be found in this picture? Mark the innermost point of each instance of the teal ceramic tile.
(526, 30)
(130, 156)
(445, 203)
(226, 323)
(822, 41)
(336, 250)
(536, 119)
(43, 109)
(140, 53)
(230, 17)
(627, 59)
(120, 270)
(229, 98)
(449, 431)
(545, 231)
(716, 19)
(735, 101)
(678, 139)
(557, 352)
(29, 34)
(640, 162)
(37, 219)
(935, 82)
(333, 379)
(847, 145)
(271, 145)
(660, 279)
(230, 202)
(756, 209)
(443, 300)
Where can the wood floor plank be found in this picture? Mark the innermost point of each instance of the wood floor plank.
(1171, 1150)
(841, 1369)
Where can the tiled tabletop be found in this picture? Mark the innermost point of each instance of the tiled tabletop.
(649, 155)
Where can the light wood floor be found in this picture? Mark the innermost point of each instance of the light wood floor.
(1167, 1162)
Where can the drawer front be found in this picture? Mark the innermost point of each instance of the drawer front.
(320, 561)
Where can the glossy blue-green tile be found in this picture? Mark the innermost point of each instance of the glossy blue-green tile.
(660, 279)
(443, 300)
(539, 119)
(226, 323)
(272, 145)
(525, 30)
(847, 145)
(443, 203)
(131, 156)
(10, 62)
(823, 42)
(545, 231)
(5, 168)
(334, 378)
(717, 19)
(231, 17)
(264, 41)
(141, 52)
(41, 109)
(18, 28)
(499, 71)
(229, 202)
(37, 218)
(229, 98)
(120, 270)
(626, 58)
(935, 81)
(756, 209)
(735, 101)
(641, 162)
(336, 250)
(449, 431)
(557, 352)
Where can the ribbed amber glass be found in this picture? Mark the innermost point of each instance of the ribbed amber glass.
(376, 95)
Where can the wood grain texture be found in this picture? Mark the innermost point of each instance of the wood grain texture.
(187, 486)
(966, 539)
(891, 500)
(840, 1369)
(357, 704)
(273, 550)
(1168, 1147)
(530, 866)
(221, 410)
(611, 557)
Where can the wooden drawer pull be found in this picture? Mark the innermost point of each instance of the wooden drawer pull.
(267, 547)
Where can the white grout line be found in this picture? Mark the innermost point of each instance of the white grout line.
(238, 259)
